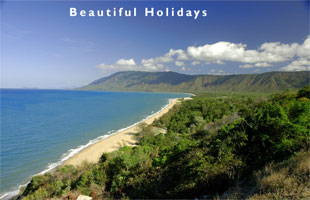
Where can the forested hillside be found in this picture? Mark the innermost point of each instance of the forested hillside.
(214, 147)
(175, 82)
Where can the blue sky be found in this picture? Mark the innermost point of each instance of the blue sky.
(43, 47)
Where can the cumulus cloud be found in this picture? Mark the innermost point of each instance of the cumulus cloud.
(179, 63)
(302, 64)
(266, 55)
(218, 51)
(171, 56)
(304, 49)
(263, 64)
(286, 51)
(129, 65)
(124, 62)
(150, 65)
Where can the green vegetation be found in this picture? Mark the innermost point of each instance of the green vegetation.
(174, 82)
(215, 147)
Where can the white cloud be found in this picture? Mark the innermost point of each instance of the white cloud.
(179, 63)
(287, 51)
(217, 51)
(151, 65)
(227, 51)
(304, 49)
(194, 63)
(179, 53)
(219, 62)
(129, 65)
(183, 69)
(263, 64)
(266, 55)
(272, 52)
(212, 70)
(124, 62)
(166, 58)
(302, 64)
(157, 62)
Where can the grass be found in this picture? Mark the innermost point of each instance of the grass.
(287, 180)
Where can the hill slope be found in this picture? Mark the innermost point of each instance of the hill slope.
(175, 82)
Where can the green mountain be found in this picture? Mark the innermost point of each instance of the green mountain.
(175, 82)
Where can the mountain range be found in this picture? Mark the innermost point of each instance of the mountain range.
(175, 82)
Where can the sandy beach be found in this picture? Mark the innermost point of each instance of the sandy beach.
(114, 142)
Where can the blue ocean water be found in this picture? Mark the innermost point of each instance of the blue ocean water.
(41, 127)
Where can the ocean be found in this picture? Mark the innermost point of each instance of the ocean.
(42, 128)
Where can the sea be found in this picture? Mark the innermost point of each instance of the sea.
(40, 129)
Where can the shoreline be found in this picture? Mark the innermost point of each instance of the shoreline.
(93, 152)
(100, 145)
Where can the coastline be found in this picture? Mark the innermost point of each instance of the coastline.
(93, 152)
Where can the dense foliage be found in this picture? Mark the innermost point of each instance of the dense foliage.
(211, 145)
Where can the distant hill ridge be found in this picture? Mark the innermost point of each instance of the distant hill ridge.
(176, 82)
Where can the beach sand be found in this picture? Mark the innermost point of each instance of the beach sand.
(93, 153)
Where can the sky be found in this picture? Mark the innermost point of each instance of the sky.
(42, 46)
